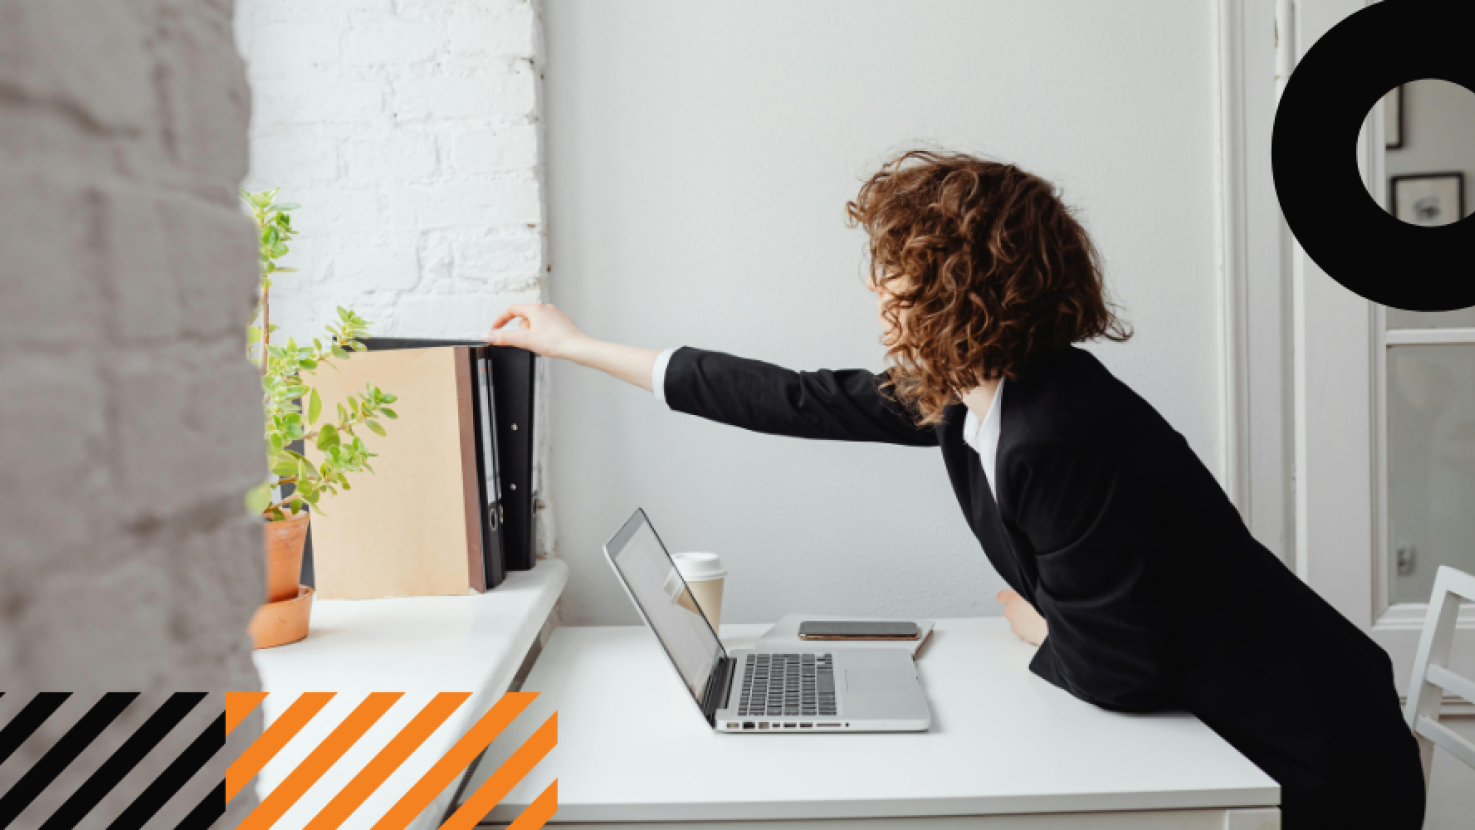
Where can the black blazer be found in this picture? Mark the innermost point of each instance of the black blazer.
(1155, 593)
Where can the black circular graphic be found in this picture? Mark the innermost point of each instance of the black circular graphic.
(1314, 156)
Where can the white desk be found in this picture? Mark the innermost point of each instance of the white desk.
(1006, 749)
(420, 646)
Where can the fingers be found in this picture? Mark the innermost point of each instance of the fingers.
(513, 336)
(1007, 596)
(512, 311)
(508, 337)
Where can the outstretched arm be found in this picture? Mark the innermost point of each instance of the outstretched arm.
(552, 333)
(842, 405)
(830, 405)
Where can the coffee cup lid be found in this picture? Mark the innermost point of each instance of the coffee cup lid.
(698, 565)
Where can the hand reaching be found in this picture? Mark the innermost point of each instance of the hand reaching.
(544, 330)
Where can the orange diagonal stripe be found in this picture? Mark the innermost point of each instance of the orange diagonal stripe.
(500, 783)
(287, 793)
(387, 761)
(461, 755)
(238, 705)
(272, 740)
(538, 813)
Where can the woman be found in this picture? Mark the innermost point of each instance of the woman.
(1131, 570)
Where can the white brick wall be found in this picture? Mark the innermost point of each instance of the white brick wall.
(411, 134)
(130, 425)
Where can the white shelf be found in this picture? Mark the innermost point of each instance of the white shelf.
(420, 646)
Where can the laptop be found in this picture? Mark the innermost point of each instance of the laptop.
(763, 690)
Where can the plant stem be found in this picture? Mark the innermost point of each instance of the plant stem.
(343, 427)
(281, 503)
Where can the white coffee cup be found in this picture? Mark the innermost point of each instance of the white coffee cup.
(704, 575)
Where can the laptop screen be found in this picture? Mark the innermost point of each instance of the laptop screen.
(645, 566)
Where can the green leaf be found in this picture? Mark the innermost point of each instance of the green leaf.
(374, 425)
(258, 498)
(328, 437)
(339, 353)
(285, 466)
(389, 413)
(289, 206)
(314, 407)
(358, 347)
(342, 413)
(253, 335)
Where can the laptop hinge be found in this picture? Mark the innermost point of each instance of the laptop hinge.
(718, 688)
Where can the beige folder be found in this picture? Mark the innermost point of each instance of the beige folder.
(413, 527)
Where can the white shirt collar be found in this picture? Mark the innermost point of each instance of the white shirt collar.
(983, 436)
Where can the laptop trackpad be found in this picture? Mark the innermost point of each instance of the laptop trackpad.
(877, 681)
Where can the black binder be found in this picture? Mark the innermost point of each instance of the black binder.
(488, 474)
(513, 375)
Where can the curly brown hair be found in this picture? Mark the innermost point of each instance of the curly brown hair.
(981, 269)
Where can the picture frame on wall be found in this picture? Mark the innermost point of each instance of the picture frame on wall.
(1393, 119)
(1428, 199)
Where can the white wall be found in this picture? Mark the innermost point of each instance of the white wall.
(130, 423)
(409, 132)
(1438, 133)
(700, 156)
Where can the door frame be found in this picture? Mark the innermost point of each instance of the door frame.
(1338, 351)
(1255, 298)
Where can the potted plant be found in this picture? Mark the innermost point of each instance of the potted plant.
(294, 412)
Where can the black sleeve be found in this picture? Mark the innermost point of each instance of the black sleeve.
(835, 405)
(1096, 550)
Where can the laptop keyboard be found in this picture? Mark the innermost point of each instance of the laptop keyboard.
(779, 685)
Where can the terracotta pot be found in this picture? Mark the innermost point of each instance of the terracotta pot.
(284, 541)
(279, 623)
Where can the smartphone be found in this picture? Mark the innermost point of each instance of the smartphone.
(816, 630)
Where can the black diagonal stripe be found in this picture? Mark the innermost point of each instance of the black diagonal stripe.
(123, 760)
(210, 808)
(66, 750)
(28, 720)
(189, 762)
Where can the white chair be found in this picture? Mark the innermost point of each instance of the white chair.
(1431, 677)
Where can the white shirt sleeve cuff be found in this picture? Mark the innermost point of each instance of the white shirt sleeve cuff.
(658, 375)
